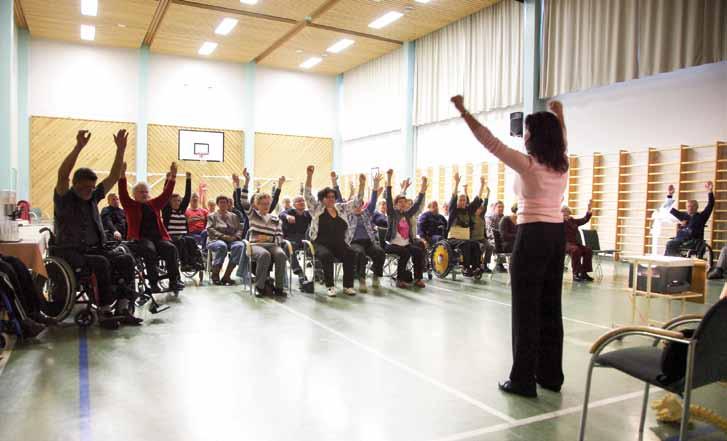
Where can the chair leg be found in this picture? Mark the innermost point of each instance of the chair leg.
(584, 414)
(643, 412)
(687, 393)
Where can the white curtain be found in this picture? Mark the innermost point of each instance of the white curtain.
(587, 43)
(674, 34)
(478, 56)
(373, 97)
(385, 150)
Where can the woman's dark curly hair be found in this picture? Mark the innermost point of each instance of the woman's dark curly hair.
(547, 143)
(323, 193)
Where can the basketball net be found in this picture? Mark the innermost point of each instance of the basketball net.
(202, 158)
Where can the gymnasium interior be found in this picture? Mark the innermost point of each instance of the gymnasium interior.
(227, 105)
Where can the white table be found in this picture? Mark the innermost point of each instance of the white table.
(651, 261)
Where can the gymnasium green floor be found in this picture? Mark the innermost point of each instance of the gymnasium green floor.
(396, 365)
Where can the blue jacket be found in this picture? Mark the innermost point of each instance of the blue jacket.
(430, 224)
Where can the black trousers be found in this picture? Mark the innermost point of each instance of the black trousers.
(297, 246)
(22, 282)
(326, 254)
(110, 266)
(189, 253)
(151, 252)
(364, 249)
(414, 252)
(470, 251)
(536, 271)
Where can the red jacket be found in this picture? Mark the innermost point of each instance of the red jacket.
(133, 209)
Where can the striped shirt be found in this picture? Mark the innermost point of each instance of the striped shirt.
(262, 227)
(177, 225)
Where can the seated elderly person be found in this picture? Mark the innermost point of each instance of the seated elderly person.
(581, 256)
(460, 221)
(478, 233)
(175, 221)
(492, 223)
(691, 230)
(508, 230)
(296, 222)
(196, 219)
(432, 226)
(25, 292)
(114, 219)
(80, 238)
(364, 240)
(380, 218)
(329, 231)
(149, 237)
(400, 237)
(266, 235)
(224, 235)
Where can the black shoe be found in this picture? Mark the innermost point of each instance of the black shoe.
(177, 285)
(550, 387)
(259, 292)
(279, 292)
(467, 273)
(228, 281)
(107, 320)
(500, 268)
(715, 273)
(578, 278)
(586, 277)
(31, 328)
(127, 319)
(512, 388)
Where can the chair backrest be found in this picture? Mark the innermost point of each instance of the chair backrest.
(498, 240)
(710, 362)
(590, 237)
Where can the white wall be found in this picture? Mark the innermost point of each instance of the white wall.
(196, 93)
(688, 106)
(80, 81)
(294, 103)
(91, 82)
(14, 101)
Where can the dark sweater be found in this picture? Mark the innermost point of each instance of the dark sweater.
(114, 220)
(179, 214)
(571, 228)
(430, 224)
(696, 222)
(299, 229)
(508, 230)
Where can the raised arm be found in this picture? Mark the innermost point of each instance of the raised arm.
(519, 162)
(584, 220)
(187, 193)
(64, 171)
(245, 206)
(126, 201)
(374, 194)
(389, 197)
(710, 201)
(556, 107)
(120, 140)
(419, 201)
(276, 194)
(674, 212)
(310, 200)
(162, 200)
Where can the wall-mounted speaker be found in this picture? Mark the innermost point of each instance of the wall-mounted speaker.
(516, 124)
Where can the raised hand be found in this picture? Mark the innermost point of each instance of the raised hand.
(173, 170)
(709, 186)
(310, 169)
(590, 205)
(281, 181)
(235, 180)
(482, 181)
(82, 138)
(362, 179)
(377, 179)
(556, 107)
(456, 178)
(425, 183)
(188, 175)
(670, 190)
(458, 102)
(120, 139)
(334, 179)
(379, 191)
(123, 170)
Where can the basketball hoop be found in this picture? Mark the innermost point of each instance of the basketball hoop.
(201, 151)
(202, 157)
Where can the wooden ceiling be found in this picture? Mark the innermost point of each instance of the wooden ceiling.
(275, 33)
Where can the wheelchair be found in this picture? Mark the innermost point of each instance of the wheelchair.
(697, 248)
(142, 288)
(248, 279)
(199, 273)
(11, 313)
(447, 260)
(66, 287)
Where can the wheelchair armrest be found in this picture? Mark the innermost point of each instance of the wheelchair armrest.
(646, 331)
(683, 320)
(310, 246)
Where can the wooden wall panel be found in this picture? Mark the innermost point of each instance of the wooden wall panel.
(277, 155)
(163, 144)
(51, 139)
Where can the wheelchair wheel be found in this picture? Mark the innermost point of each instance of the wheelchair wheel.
(442, 259)
(58, 291)
(84, 318)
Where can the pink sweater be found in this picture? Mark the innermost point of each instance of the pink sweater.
(539, 189)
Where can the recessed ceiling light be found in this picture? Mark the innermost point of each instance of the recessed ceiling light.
(207, 48)
(89, 7)
(385, 19)
(225, 26)
(340, 45)
(121, 25)
(299, 51)
(249, 2)
(88, 32)
(422, 1)
(310, 62)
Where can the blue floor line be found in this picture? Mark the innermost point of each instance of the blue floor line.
(84, 393)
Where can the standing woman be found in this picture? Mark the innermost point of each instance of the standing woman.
(536, 267)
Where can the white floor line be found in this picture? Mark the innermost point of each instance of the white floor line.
(538, 418)
(5, 354)
(419, 375)
(484, 299)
